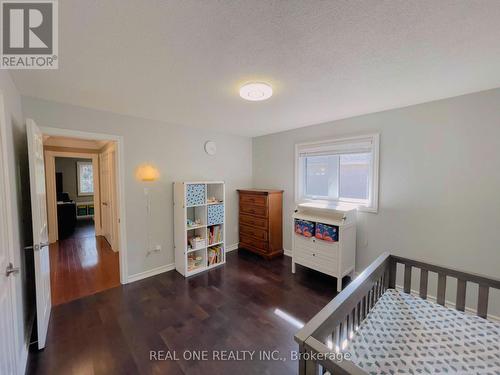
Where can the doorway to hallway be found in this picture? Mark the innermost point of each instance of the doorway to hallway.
(83, 211)
(82, 264)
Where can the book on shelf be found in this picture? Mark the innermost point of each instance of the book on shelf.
(214, 234)
(215, 255)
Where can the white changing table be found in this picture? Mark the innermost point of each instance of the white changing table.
(336, 259)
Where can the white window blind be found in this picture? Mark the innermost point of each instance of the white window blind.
(339, 170)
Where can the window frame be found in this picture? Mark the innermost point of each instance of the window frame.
(340, 145)
(80, 193)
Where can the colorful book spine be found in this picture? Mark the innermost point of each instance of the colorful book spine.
(215, 255)
(215, 234)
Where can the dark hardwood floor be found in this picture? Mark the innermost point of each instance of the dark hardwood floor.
(84, 228)
(243, 305)
(81, 265)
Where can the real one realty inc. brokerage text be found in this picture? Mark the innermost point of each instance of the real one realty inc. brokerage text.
(243, 355)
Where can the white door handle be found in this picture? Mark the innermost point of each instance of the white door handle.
(37, 247)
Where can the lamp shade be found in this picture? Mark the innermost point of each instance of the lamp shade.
(147, 173)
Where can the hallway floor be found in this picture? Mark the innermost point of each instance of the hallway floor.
(82, 264)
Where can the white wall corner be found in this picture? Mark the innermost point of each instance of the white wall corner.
(151, 272)
(287, 252)
(232, 247)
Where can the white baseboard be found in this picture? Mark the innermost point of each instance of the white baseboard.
(287, 252)
(151, 272)
(232, 247)
(165, 268)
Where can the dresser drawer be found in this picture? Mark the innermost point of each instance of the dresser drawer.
(253, 199)
(260, 221)
(329, 251)
(309, 257)
(253, 221)
(252, 243)
(326, 248)
(319, 258)
(257, 233)
(317, 264)
(260, 211)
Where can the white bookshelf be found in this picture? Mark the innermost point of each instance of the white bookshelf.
(192, 201)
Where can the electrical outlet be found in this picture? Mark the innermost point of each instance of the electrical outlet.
(156, 249)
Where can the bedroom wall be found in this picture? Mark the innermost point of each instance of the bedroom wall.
(17, 164)
(439, 182)
(178, 154)
(67, 166)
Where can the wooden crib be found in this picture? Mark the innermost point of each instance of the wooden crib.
(336, 322)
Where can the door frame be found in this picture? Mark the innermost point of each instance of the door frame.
(22, 357)
(120, 171)
(50, 178)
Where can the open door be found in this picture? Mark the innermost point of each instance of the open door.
(106, 221)
(109, 213)
(40, 230)
(7, 270)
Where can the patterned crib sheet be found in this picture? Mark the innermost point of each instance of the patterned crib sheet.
(404, 334)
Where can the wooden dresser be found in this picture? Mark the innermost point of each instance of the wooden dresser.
(261, 221)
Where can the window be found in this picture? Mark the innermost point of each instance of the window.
(85, 175)
(339, 171)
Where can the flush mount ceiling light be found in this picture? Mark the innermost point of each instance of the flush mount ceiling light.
(256, 91)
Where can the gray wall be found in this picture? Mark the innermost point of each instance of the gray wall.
(67, 166)
(439, 181)
(178, 153)
(17, 163)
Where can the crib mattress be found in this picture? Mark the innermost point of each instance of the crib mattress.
(404, 334)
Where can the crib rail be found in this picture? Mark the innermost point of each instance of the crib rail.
(327, 333)
(463, 278)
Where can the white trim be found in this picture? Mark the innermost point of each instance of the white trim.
(68, 133)
(151, 272)
(232, 247)
(375, 140)
(121, 184)
(287, 252)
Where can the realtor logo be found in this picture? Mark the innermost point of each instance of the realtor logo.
(29, 34)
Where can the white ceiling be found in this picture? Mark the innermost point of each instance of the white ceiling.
(182, 61)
